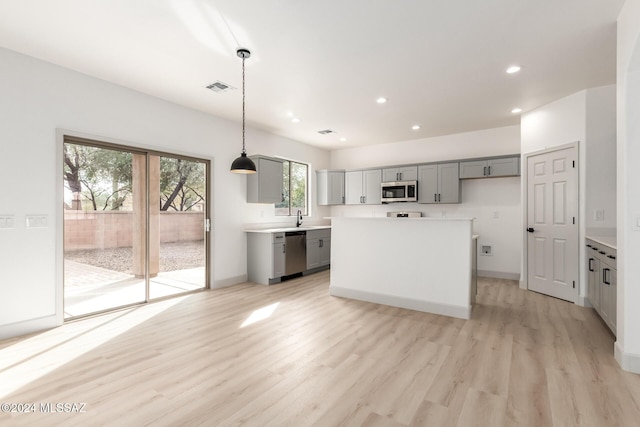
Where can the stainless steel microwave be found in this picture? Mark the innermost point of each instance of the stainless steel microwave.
(399, 191)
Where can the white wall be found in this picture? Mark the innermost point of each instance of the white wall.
(627, 347)
(586, 117)
(38, 98)
(495, 202)
(601, 157)
(483, 143)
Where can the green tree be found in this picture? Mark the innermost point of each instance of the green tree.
(182, 184)
(101, 176)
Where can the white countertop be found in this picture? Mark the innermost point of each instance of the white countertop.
(384, 218)
(609, 241)
(286, 229)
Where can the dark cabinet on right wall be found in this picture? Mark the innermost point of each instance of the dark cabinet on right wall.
(490, 168)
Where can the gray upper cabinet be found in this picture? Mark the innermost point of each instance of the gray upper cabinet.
(330, 187)
(438, 183)
(266, 185)
(490, 168)
(405, 173)
(363, 187)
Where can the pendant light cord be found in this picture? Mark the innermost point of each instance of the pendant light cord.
(243, 149)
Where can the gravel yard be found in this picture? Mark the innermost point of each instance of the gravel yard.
(173, 256)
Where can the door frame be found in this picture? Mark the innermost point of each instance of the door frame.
(524, 278)
(105, 142)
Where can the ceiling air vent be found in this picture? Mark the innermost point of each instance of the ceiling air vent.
(326, 132)
(219, 86)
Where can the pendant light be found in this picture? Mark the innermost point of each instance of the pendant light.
(243, 164)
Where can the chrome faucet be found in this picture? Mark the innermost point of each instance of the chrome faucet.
(299, 220)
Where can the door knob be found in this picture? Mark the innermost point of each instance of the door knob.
(530, 230)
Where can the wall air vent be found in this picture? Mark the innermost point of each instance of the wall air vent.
(219, 86)
(326, 132)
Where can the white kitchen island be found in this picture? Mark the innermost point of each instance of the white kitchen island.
(424, 264)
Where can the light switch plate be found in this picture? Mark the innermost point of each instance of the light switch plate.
(7, 221)
(36, 221)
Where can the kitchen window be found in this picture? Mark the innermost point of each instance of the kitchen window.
(295, 189)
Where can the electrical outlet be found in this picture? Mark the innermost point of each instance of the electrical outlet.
(485, 250)
(598, 215)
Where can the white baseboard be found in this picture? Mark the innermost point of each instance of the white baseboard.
(628, 361)
(498, 275)
(28, 327)
(224, 283)
(395, 301)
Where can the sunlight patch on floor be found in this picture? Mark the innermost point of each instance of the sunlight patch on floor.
(31, 359)
(260, 314)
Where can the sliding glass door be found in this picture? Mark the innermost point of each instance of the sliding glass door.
(181, 207)
(134, 226)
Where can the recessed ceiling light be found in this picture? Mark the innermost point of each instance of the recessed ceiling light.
(381, 100)
(343, 139)
(415, 127)
(516, 110)
(513, 69)
(295, 120)
(289, 114)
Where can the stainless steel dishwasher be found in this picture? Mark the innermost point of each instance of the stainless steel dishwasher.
(295, 252)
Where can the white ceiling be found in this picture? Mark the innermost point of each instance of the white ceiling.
(440, 63)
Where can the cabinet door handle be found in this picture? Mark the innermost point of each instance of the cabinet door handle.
(489, 171)
(604, 276)
(439, 197)
(364, 199)
(342, 199)
(435, 197)
(321, 243)
(284, 249)
(484, 171)
(590, 265)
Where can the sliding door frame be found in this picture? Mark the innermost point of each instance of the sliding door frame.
(65, 136)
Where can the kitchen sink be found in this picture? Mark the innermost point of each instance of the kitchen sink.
(288, 229)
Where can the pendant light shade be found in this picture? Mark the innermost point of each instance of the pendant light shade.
(243, 164)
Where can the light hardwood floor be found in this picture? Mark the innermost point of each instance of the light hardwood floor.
(522, 360)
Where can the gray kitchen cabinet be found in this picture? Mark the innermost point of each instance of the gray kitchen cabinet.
(363, 187)
(608, 293)
(266, 185)
(318, 248)
(593, 275)
(438, 183)
(330, 187)
(490, 168)
(602, 281)
(405, 173)
(266, 257)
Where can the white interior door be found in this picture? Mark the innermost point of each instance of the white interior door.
(552, 238)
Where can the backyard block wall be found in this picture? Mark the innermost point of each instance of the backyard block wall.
(114, 229)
